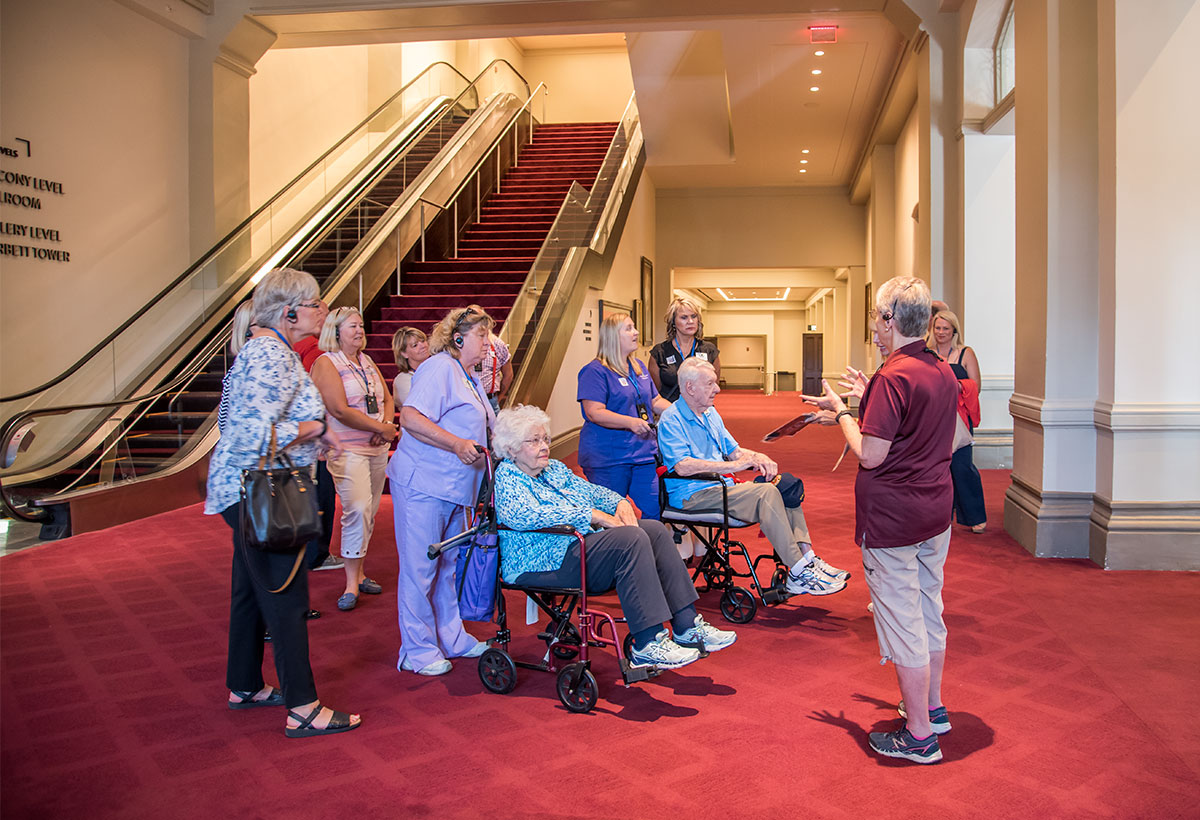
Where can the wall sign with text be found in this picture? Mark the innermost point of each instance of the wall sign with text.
(25, 199)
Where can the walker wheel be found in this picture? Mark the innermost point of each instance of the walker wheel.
(497, 671)
(738, 605)
(577, 688)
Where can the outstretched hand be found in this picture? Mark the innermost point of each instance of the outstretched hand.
(854, 382)
(829, 401)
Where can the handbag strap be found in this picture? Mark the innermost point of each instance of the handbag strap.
(254, 574)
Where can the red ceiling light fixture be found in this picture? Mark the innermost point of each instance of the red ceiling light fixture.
(822, 34)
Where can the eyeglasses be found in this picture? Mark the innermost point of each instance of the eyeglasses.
(884, 315)
(313, 305)
(537, 441)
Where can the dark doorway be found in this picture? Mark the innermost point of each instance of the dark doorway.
(814, 362)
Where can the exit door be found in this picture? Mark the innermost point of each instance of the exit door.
(814, 363)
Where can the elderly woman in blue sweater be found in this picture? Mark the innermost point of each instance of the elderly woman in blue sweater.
(638, 558)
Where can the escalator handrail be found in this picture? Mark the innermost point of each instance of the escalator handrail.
(233, 234)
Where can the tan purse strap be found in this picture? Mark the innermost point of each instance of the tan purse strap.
(295, 569)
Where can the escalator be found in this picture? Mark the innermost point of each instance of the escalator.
(162, 413)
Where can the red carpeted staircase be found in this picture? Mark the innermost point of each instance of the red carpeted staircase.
(496, 253)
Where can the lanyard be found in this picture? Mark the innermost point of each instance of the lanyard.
(280, 335)
(691, 353)
(637, 391)
(361, 373)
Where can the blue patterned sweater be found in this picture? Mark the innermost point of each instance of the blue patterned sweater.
(557, 496)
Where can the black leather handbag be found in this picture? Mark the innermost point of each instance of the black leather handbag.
(279, 507)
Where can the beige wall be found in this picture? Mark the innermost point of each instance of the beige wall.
(624, 279)
(585, 86)
(117, 139)
(907, 193)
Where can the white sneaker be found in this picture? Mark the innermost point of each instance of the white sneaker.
(811, 582)
(438, 667)
(706, 635)
(476, 650)
(830, 570)
(663, 653)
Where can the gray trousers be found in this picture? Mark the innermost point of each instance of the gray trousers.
(641, 562)
(784, 526)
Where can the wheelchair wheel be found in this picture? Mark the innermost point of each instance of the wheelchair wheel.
(582, 696)
(738, 605)
(564, 651)
(497, 671)
(719, 576)
(627, 646)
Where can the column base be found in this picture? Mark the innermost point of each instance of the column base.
(1048, 524)
(1156, 535)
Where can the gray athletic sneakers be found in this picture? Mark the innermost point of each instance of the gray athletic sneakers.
(939, 718)
(663, 653)
(902, 744)
(706, 635)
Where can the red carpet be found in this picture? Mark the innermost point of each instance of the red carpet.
(1071, 690)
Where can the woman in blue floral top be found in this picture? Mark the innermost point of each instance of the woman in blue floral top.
(266, 386)
(638, 558)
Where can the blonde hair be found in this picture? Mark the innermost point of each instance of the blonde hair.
(956, 341)
(609, 352)
(280, 290)
(400, 340)
(460, 321)
(239, 332)
(673, 310)
(331, 331)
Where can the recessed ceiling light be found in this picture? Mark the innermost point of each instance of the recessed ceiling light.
(804, 162)
(804, 151)
(804, 170)
(816, 71)
(819, 53)
(814, 88)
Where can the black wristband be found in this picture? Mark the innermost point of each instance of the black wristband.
(838, 418)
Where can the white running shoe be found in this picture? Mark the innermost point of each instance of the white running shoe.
(706, 635)
(830, 570)
(663, 653)
(811, 582)
(438, 667)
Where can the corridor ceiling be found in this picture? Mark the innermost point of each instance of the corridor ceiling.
(723, 86)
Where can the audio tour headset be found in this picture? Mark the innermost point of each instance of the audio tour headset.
(456, 334)
(291, 314)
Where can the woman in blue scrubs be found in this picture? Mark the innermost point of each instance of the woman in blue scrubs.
(435, 475)
(619, 401)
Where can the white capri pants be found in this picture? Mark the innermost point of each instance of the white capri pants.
(359, 481)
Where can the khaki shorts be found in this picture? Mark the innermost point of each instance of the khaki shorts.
(906, 588)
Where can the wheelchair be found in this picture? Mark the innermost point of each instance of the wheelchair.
(567, 644)
(712, 529)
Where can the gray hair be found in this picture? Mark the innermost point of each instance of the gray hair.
(279, 290)
(692, 369)
(907, 299)
(513, 426)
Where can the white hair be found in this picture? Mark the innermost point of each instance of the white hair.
(514, 425)
(907, 299)
(692, 369)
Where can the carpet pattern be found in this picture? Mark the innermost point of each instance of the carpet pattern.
(1071, 692)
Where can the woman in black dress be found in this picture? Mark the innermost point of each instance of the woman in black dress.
(945, 338)
(685, 339)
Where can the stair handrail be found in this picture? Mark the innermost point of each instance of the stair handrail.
(229, 238)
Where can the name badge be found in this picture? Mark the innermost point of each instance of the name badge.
(624, 381)
(670, 360)
(702, 357)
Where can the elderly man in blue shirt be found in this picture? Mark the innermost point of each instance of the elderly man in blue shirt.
(692, 439)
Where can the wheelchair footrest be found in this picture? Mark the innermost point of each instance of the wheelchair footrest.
(773, 595)
(635, 674)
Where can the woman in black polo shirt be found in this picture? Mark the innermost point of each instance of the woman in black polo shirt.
(685, 339)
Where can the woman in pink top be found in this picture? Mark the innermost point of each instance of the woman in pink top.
(360, 411)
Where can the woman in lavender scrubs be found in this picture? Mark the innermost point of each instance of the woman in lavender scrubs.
(435, 475)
